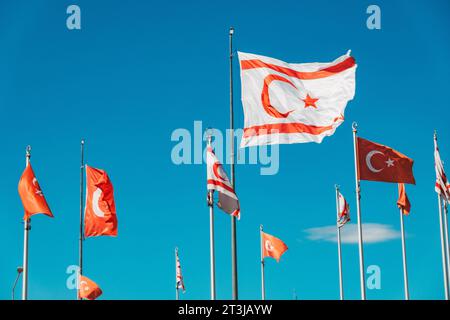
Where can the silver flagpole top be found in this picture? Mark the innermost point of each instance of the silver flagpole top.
(337, 187)
(231, 31)
(82, 141)
(355, 126)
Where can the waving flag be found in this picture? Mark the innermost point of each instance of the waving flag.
(179, 276)
(100, 212)
(381, 163)
(218, 180)
(403, 201)
(442, 185)
(293, 103)
(32, 197)
(89, 289)
(272, 246)
(344, 211)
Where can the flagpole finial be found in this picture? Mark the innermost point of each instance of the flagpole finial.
(261, 227)
(336, 186)
(355, 126)
(231, 31)
(209, 135)
(28, 150)
(435, 134)
(82, 141)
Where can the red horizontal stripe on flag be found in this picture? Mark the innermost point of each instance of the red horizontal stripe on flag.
(273, 128)
(220, 184)
(339, 67)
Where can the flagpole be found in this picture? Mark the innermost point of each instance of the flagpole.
(27, 228)
(443, 241)
(263, 286)
(444, 217)
(81, 216)
(341, 282)
(358, 208)
(177, 294)
(211, 244)
(234, 273)
(444, 260)
(405, 268)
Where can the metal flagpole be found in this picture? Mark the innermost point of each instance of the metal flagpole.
(263, 286)
(341, 282)
(81, 216)
(234, 273)
(447, 253)
(211, 244)
(27, 228)
(358, 208)
(443, 239)
(177, 294)
(444, 260)
(405, 268)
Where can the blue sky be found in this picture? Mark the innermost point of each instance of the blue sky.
(137, 70)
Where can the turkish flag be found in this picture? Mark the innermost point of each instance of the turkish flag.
(100, 213)
(381, 163)
(30, 192)
(403, 201)
(272, 246)
(89, 289)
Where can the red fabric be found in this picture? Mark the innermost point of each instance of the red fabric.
(30, 192)
(381, 163)
(100, 213)
(272, 246)
(403, 201)
(89, 289)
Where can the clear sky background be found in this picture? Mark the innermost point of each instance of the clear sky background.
(139, 70)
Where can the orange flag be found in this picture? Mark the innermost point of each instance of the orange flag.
(272, 246)
(403, 201)
(89, 289)
(100, 213)
(381, 163)
(30, 192)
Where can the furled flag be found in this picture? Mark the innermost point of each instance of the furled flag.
(272, 246)
(100, 213)
(293, 103)
(381, 163)
(89, 289)
(218, 180)
(30, 192)
(344, 211)
(403, 201)
(442, 185)
(179, 276)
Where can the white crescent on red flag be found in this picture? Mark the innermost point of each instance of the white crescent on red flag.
(293, 103)
(218, 180)
(100, 217)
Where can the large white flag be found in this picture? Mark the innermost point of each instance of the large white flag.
(218, 180)
(293, 103)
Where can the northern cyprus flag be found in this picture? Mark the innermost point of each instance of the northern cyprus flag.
(293, 103)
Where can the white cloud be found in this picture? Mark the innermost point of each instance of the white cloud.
(372, 233)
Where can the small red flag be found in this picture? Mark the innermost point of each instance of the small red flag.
(403, 201)
(272, 246)
(32, 197)
(89, 289)
(381, 163)
(100, 213)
